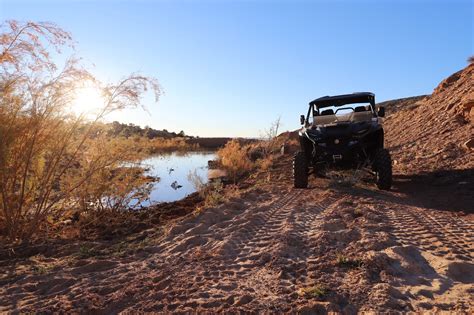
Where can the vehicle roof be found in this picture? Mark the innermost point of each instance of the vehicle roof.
(339, 100)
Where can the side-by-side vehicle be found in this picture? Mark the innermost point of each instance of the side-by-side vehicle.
(343, 132)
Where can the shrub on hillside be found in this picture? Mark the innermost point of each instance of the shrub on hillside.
(233, 158)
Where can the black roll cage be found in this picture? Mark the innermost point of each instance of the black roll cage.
(340, 100)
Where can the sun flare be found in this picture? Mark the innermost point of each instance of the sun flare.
(88, 101)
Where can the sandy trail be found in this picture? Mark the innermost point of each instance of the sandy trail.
(259, 251)
(436, 257)
(234, 256)
(430, 265)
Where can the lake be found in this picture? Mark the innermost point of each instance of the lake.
(173, 170)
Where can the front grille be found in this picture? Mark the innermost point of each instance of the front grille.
(341, 142)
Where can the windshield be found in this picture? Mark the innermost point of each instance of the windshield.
(349, 112)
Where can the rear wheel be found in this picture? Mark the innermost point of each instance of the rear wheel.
(383, 169)
(300, 170)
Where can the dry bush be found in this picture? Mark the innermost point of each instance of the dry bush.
(158, 145)
(212, 192)
(106, 156)
(198, 182)
(233, 158)
(49, 158)
(167, 145)
(266, 163)
(272, 131)
(272, 143)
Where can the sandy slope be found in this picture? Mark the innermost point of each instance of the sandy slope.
(430, 134)
(365, 249)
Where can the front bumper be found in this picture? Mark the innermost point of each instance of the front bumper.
(336, 150)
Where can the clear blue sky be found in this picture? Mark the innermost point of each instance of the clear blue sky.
(229, 68)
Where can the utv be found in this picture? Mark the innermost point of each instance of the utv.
(343, 132)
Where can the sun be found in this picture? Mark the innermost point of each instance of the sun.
(88, 101)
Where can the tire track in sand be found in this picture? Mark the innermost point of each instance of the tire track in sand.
(275, 258)
(245, 257)
(433, 231)
(227, 256)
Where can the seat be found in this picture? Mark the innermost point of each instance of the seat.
(361, 114)
(325, 117)
(327, 112)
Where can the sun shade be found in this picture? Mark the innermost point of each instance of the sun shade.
(339, 100)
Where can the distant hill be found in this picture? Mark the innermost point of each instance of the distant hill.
(116, 129)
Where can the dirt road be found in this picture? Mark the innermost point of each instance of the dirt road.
(331, 247)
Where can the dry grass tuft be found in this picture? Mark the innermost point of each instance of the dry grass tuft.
(344, 261)
(316, 291)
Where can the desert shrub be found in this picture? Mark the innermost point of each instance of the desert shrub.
(106, 157)
(233, 158)
(316, 291)
(266, 163)
(272, 143)
(344, 261)
(158, 145)
(212, 192)
(198, 182)
(50, 159)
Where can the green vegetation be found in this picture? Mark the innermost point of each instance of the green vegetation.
(40, 269)
(344, 261)
(117, 129)
(86, 252)
(39, 266)
(316, 291)
(212, 193)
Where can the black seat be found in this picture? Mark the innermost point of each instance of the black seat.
(360, 109)
(327, 112)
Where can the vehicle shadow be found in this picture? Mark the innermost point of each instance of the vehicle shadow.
(445, 190)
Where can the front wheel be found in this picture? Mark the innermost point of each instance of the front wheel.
(300, 170)
(383, 169)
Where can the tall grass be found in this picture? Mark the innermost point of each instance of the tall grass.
(50, 160)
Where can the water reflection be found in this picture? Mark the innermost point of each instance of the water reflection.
(173, 170)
